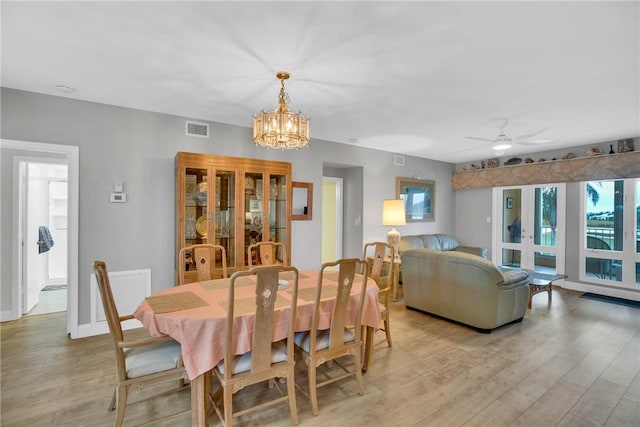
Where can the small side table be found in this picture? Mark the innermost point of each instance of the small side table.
(541, 282)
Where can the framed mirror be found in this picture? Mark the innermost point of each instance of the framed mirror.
(419, 198)
(302, 201)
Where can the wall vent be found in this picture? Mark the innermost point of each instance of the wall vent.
(201, 130)
(398, 160)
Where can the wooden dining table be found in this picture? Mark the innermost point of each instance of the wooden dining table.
(195, 315)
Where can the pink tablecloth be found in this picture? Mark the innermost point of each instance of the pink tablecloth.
(201, 329)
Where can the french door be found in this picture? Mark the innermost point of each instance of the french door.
(529, 227)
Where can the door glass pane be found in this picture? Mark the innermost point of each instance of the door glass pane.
(196, 194)
(604, 202)
(277, 208)
(225, 213)
(511, 257)
(545, 216)
(511, 218)
(545, 262)
(637, 220)
(603, 268)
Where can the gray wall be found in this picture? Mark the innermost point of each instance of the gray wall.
(138, 148)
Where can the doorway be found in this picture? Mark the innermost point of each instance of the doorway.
(35, 152)
(530, 227)
(44, 205)
(331, 219)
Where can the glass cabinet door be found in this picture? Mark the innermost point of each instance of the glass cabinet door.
(278, 208)
(225, 214)
(195, 206)
(253, 210)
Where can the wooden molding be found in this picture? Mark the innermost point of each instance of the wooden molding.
(612, 166)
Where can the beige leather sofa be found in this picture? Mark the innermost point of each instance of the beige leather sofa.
(463, 287)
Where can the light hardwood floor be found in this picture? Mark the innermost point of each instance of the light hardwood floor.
(573, 363)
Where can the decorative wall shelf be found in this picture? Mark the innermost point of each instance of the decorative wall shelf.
(612, 166)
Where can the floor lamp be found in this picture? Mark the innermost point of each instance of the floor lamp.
(393, 215)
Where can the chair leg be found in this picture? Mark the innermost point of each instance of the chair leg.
(387, 331)
(121, 405)
(357, 363)
(227, 399)
(112, 405)
(291, 392)
(313, 391)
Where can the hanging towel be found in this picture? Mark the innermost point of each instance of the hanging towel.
(45, 241)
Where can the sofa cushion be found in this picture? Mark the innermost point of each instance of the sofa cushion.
(431, 241)
(447, 242)
(410, 242)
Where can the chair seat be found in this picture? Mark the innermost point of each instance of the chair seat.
(242, 363)
(153, 358)
(302, 339)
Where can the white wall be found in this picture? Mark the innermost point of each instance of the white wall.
(138, 148)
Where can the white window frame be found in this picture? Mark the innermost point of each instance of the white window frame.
(628, 256)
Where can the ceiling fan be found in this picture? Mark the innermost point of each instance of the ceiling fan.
(503, 141)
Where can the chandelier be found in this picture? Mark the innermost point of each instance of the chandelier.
(281, 128)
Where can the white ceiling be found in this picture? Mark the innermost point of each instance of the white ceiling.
(407, 77)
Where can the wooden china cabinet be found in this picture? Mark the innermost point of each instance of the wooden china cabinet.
(233, 202)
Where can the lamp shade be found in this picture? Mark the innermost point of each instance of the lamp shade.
(393, 212)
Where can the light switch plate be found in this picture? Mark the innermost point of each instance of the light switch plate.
(118, 187)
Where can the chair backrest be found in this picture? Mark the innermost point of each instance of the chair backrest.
(267, 253)
(374, 255)
(112, 315)
(266, 297)
(197, 263)
(345, 276)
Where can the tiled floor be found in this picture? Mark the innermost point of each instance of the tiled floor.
(50, 302)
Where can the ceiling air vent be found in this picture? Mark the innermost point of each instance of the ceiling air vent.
(398, 160)
(201, 130)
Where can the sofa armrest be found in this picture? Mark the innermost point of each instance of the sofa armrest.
(481, 252)
(514, 278)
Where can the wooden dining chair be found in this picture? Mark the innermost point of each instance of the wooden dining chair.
(140, 362)
(197, 263)
(267, 253)
(379, 256)
(344, 335)
(267, 360)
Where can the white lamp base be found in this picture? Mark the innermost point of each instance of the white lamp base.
(393, 238)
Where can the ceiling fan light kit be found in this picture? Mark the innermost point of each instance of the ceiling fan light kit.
(503, 142)
(281, 128)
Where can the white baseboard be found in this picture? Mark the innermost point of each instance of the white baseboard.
(599, 289)
(100, 328)
(7, 316)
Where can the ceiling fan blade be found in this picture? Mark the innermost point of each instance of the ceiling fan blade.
(535, 141)
(480, 139)
(530, 134)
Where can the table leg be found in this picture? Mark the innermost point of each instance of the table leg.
(368, 347)
(395, 279)
(199, 387)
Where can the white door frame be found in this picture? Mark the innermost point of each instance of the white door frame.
(70, 155)
(527, 244)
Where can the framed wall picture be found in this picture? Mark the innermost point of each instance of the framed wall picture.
(419, 198)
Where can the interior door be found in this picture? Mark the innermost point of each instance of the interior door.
(530, 227)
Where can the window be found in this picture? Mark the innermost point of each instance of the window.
(610, 250)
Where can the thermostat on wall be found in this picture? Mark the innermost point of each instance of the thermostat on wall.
(118, 197)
